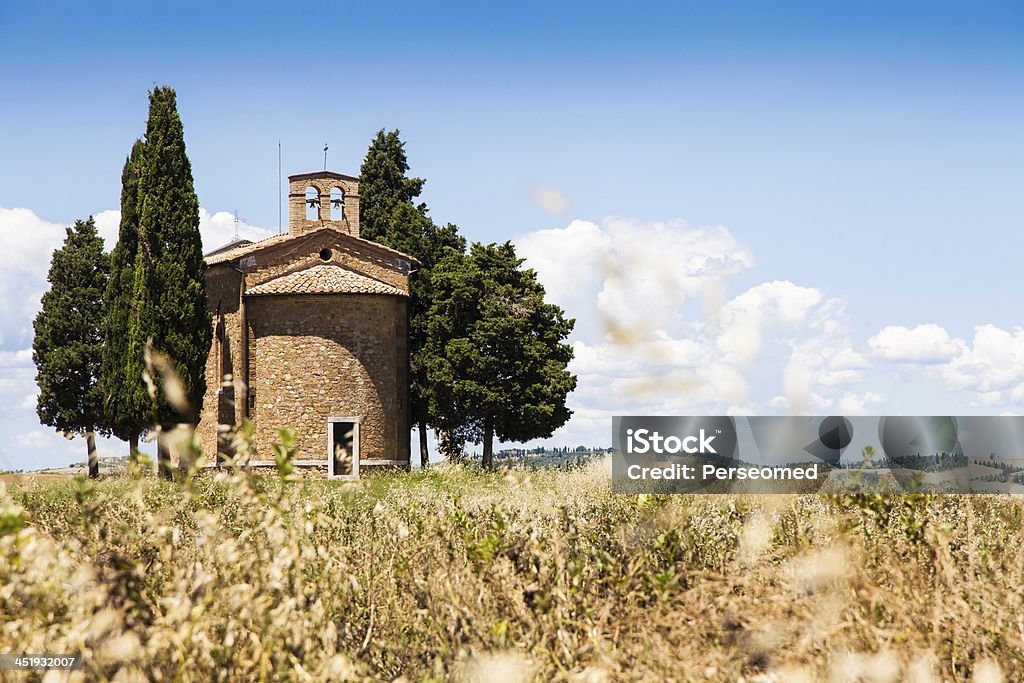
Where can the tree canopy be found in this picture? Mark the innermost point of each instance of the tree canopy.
(126, 403)
(168, 305)
(496, 358)
(170, 284)
(68, 337)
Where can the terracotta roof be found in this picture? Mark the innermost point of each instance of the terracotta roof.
(238, 252)
(233, 244)
(326, 279)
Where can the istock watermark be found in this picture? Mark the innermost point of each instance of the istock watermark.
(824, 454)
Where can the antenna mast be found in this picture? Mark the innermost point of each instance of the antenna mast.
(278, 187)
(237, 220)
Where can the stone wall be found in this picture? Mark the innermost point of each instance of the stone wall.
(314, 357)
(225, 391)
(343, 354)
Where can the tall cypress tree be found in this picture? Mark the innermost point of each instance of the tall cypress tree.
(68, 338)
(170, 285)
(389, 215)
(386, 194)
(497, 360)
(126, 404)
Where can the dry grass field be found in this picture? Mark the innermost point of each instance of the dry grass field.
(454, 573)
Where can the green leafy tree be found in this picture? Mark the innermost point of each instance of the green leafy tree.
(169, 289)
(127, 406)
(497, 358)
(389, 215)
(68, 338)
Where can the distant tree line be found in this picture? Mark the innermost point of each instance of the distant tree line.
(929, 463)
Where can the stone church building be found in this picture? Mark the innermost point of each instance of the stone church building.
(311, 333)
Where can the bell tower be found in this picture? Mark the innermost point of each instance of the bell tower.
(323, 199)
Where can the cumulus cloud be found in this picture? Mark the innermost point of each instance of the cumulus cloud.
(26, 241)
(658, 334)
(741, 320)
(867, 403)
(30, 400)
(641, 272)
(994, 360)
(991, 364)
(16, 359)
(34, 440)
(922, 344)
(217, 229)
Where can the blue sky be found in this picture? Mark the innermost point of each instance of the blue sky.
(869, 152)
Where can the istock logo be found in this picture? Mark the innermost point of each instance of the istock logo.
(647, 441)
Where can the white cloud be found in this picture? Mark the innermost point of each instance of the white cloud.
(988, 399)
(656, 333)
(218, 229)
(626, 279)
(861, 404)
(34, 440)
(26, 242)
(108, 225)
(16, 359)
(30, 400)
(991, 365)
(922, 344)
(741, 320)
(993, 361)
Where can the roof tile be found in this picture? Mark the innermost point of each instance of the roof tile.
(218, 256)
(325, 279)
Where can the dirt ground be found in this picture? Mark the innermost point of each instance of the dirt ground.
(41, 475)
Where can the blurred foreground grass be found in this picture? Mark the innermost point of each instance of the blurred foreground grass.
(510, 575)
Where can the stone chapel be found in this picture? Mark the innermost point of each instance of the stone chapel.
(311, 333)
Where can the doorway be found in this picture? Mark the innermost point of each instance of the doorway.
(343, 447)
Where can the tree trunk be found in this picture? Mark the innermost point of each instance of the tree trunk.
(186, 463)
(488, 459)
(163, 455)
(424, 451)
(133, 448)
(94, 461)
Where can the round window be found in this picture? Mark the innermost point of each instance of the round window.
(325, 254)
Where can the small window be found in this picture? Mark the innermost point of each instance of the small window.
(312, 204)
(337, 204)
(325, 254)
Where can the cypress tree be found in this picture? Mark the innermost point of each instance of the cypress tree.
(68, 338)
(169, 285)
(385, 190)
(389, 215)
(126, 403)
(496, 360)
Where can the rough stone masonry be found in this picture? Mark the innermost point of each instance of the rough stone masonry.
(311, 333)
